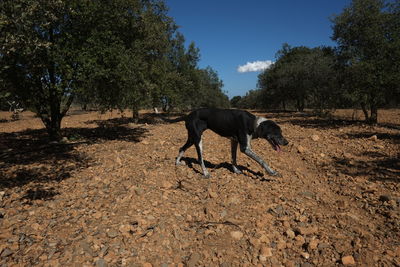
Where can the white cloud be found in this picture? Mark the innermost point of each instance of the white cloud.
(255, 66)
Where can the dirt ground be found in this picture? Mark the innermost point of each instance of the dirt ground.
(110, 195)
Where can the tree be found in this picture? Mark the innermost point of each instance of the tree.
(368, 35)
(235, 101)
(300, 75)
(37, 57)
(105, 52)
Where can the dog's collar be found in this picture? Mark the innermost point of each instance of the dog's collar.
(258, 121)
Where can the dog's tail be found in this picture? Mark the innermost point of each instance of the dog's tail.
(183, 118)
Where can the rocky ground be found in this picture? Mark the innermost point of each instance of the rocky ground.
(110, 195)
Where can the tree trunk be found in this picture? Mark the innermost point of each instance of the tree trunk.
(135, 113)
(365, 111)
(373, 119)
(54, 129)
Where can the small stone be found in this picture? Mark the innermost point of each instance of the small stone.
(212, 194)
(147, 264)
(112, 233)
(6, 252)
(307, 230)
(281, 245)
(313, 244)
(300, 149)
(348, 260)
(236, 235)
(305, 255)
(166, 184)
(266, 251)
(264, 239)
(194, 259)
(290, 234)
(385, 198)
(374, 137)
(347, 155)
(315, 137)
(101, 263)
(299, 240)
(125, 228)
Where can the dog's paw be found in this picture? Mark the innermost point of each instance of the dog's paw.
(206, 176)
(237, 171)
(277, 174)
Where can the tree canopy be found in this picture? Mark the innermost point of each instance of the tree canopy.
(362, 70)
(111, 54)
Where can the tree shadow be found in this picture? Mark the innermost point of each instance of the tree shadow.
(29, 158)
(390, 137)
(147, 118)
(319, 123)
(310, 120)
(380, 168)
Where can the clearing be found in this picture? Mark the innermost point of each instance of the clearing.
(110, 195)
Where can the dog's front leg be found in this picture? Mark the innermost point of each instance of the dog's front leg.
(234, 145)
(254, 156)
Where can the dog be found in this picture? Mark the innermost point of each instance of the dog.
(237, 125)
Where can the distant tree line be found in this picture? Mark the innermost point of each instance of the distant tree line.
(362, 71)
(108, 54)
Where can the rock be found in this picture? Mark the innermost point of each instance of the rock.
(112, 233)
(147, 264)
(125, 228)
(265, 252)
(348, 260)
(281, 245)
(166, 184)
(264, 239)
(236, 235)
(6, 252)
(313, 244)
(299, 240)
(212, 194)
(194, 259)
(314, 137)
(101, 263)
(306, 230)
(385, 198)
(347, 155)
(300, 149)
(290, 234)
(374, 138)
(305, 255)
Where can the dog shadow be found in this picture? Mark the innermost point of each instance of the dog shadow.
(191, 162)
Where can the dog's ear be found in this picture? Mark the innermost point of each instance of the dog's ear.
(262, 129)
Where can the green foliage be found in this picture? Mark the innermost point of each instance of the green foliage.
(111, 54)
(368, 34)
(235, 101)
(301, 76)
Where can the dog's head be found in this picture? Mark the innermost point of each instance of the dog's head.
(273, 133)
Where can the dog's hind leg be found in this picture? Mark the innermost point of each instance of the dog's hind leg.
(234, 145)
(182, 150)
(199, 148)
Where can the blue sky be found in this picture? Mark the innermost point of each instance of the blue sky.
(232, 33)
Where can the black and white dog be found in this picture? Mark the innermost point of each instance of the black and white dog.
(237, 125)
